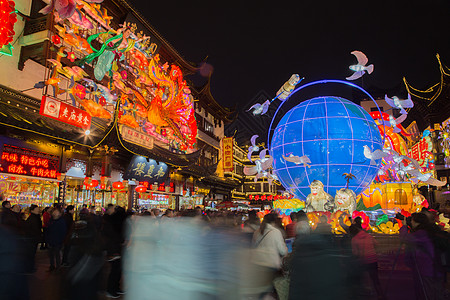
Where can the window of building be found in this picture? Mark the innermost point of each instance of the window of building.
(400, 197)
(376, 108)
(209, 127)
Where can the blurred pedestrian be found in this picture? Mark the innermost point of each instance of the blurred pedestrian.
(112, 236)
(8, 217)
(269, 249)
(291, 227)
(33, 233)
(363, 248)
(56, 234)
(422, 257)
(68, 218)
(46, 217)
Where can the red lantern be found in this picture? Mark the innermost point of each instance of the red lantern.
(118, 185)
(250, 197)
(256, 197)
(140, 189)
(276, 197)
(93, 183)
(270, 197)
(263, 197)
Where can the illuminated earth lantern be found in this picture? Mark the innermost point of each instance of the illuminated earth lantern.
(332, 133)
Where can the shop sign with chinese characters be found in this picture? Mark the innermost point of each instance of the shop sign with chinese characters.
(141, 169)
(22, 161)
(227, 148)
(422, 150)
(133, 136)
(66, 113)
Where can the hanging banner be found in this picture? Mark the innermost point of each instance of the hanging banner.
(66, 113)
(141, 169)
(227, 153)
(22, 161)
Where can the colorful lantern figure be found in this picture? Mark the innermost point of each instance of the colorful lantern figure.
(336, 227)
(345, 200)
(319, 200)
(331, 132)
(8, 18)
(365, 219)
(386, 228)
(418, 201)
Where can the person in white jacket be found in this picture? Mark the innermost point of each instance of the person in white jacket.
(269, 249)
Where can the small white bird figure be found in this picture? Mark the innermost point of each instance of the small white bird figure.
(377, 154)
(361, 67)
(253, 147)
(393, 122)
(425, 178)
(395, 102)
(298, 159)
(260, 109)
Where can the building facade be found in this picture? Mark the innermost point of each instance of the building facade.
(96, 104)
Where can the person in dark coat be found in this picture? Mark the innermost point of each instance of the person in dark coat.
(9, 218)
(33, 235)
(112, 235)
(56, 234)
(68, 217)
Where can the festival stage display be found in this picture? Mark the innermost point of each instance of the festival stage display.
(343, 161)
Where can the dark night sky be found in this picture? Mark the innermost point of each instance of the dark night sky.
(256, 46)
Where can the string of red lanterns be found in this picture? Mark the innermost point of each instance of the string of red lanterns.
(269, 197)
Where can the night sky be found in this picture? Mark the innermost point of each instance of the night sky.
(256, 46)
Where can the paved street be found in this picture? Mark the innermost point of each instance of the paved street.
(48, 286)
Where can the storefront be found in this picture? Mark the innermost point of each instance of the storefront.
(27, 174)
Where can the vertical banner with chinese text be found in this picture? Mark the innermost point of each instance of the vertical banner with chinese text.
(227, 153)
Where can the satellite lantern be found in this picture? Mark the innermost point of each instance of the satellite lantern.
(288, 87)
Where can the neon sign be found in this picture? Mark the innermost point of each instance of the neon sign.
(22, 161)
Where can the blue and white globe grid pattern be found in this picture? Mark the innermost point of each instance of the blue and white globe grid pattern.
(332, 132)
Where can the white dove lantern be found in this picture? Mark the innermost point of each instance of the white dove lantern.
(375, 155)
(397, 103)
(260, 109)
(253, 147)
(360, 68)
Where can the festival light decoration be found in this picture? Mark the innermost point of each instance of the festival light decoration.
(8, 18)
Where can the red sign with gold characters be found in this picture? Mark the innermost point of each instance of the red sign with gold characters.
(227, 150)
(422, 150)
(66, 113)
(22, 161)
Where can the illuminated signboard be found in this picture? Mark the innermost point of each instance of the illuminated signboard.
(22, 161)
(141, 169)
(227, 148)
(66, 113)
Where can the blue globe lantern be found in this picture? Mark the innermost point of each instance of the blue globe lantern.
(332, 132)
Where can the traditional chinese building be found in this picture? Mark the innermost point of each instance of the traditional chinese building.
(94, 104)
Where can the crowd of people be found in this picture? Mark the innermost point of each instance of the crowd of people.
(196, 254)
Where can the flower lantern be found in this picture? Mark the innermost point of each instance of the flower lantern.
(118, 185)
(250, 197)
(140, 189)
(256, 197)
(7, 19)
(270, 197)
(263, 197)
